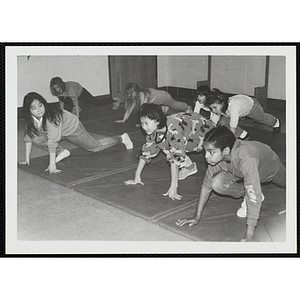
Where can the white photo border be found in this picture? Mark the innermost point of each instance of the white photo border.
(14, 246)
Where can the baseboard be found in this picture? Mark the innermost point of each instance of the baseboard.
(179, 92)
(276, 105)
(102, 100)
(272, 104)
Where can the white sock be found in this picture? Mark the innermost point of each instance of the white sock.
(62, 155)
(243, 134)
(277, 124)
(127, 141)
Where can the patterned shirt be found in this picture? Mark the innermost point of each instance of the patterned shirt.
(184, 133)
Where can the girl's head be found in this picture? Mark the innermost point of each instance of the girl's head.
(132, 95)
(218, 144)
(202, 92)
(152, 118)
(131, 90)
(34, 105)
(57, 86)
(217, 101)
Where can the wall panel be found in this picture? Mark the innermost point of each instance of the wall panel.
(35, 73)
(238, 74)
(181, 71)
(277, 78)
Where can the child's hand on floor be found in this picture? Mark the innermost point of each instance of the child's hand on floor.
(191, 222)
(134, 181)
(53, 170)
(171, 193)
(120, 121)
(248, 239)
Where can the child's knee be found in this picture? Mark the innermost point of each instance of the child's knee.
(217, 183)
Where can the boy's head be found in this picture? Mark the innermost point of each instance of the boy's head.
(202, 92)
(217, 101)
(152, 112)
(218, 144)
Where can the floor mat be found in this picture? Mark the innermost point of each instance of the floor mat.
(102, 175)
(220, 223)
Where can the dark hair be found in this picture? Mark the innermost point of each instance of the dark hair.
(216, 96)
(53, 113)
(57, 81)
(203, 90)
(136, 100)
(153, 112)
(221, 137)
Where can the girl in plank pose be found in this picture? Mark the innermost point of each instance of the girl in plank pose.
(135, 97)
(230, 109)
(58, 123)
(73, 90)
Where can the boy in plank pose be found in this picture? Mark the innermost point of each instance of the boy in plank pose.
(236, 168)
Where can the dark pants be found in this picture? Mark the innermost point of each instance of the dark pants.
(85, 96)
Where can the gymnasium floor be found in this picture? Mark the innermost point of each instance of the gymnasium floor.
(89, 201)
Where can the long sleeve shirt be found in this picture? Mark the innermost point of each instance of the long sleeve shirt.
(162, 98)
(154, 96)
(238, 106)
(67, 126)
(185, 133)
(38, 125)
(73, 90)
(254, 162)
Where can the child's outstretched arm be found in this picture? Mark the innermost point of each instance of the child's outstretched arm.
(172, 192)
(62, 105)
(128, 112)
(28, 147)
(76, 110)
(253, 196)
(233, 129)
(249, 237)
(203, 198)
(137, 179)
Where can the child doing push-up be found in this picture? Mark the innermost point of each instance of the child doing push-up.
(135, 97)
(236, 168)
(230, 109)
(175, 135)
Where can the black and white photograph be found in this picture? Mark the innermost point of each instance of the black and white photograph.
(151, 149)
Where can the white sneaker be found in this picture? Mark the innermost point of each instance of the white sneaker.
(116, 104)
(62, 155)
(184, 172)
(127, 141)
(242, 211)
